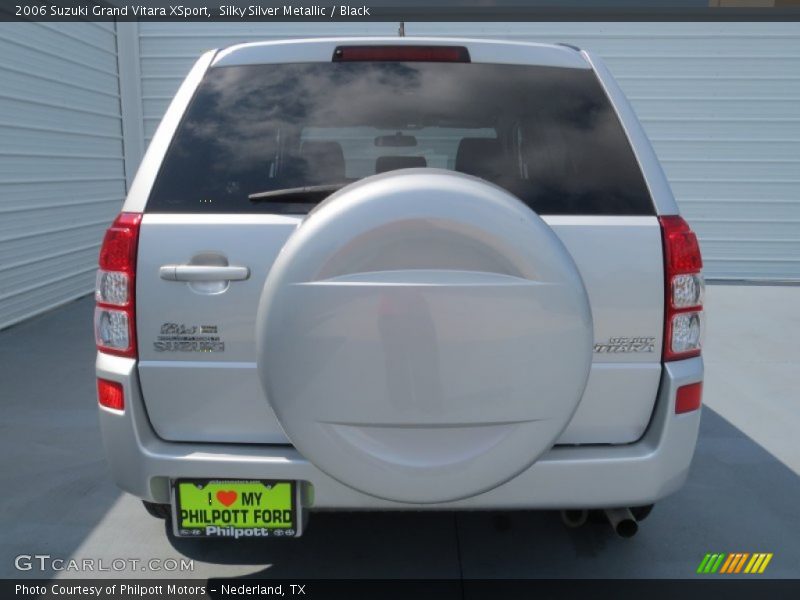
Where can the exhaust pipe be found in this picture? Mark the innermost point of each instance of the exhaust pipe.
(622, 521)
(574, 518)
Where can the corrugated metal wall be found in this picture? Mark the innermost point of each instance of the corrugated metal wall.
(721, 102)
(61, 169)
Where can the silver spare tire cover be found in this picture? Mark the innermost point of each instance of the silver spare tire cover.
(423, 336)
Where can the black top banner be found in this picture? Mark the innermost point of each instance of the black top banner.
(395, 10)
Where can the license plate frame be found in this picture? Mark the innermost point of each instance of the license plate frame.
(230, 530)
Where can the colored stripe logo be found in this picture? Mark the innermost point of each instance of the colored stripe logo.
(736, 562)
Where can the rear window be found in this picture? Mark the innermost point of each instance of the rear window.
(548, 135)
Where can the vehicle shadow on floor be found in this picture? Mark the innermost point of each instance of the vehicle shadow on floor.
(56, 481)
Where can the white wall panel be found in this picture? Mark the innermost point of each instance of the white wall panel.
(62, 176)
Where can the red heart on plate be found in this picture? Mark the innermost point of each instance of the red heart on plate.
(227, 497)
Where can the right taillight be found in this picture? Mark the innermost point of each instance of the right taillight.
(114, 315)
(683, 308)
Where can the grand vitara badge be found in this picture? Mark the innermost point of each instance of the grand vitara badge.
(179, 337)
(624, 344)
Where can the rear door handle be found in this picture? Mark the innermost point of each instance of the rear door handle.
(203, 273)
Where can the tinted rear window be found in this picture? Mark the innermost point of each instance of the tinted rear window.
(548, 135)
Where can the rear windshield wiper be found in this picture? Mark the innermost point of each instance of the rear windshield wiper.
(309, 193)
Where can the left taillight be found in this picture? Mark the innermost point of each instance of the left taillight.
(115, 311)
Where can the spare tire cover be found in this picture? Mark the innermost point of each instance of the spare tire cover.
(423, 336)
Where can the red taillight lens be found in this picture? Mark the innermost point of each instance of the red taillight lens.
(110, 394)
(401, 54)
(682, 252)
(684, 287)
(114, 322)
(689, 398)
(118, 252)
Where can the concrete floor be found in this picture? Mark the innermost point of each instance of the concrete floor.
(742, 495)
(752, 360)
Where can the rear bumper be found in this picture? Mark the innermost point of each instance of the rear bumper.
(592, 476)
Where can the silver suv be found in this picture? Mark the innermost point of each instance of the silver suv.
(398, 274)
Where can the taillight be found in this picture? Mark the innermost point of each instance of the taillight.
(110, 394)
(114, 315)
(684, 285)
(401, 54)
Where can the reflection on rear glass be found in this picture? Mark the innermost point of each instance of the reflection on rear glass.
(546, 134)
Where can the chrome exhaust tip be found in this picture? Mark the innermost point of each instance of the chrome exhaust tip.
(622, 521)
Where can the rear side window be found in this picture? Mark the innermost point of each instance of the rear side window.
(548, 135)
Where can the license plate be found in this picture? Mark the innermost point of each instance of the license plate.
(235, 509)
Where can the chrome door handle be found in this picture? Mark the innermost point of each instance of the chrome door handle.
(203, 273)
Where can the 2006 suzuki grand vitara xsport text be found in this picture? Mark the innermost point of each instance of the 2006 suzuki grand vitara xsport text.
(398, 273)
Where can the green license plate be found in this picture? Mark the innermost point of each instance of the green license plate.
(235, 509)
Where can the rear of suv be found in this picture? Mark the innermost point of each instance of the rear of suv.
(397, 274)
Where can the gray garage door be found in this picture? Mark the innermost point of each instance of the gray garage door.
(721, 102)
(62, 177)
